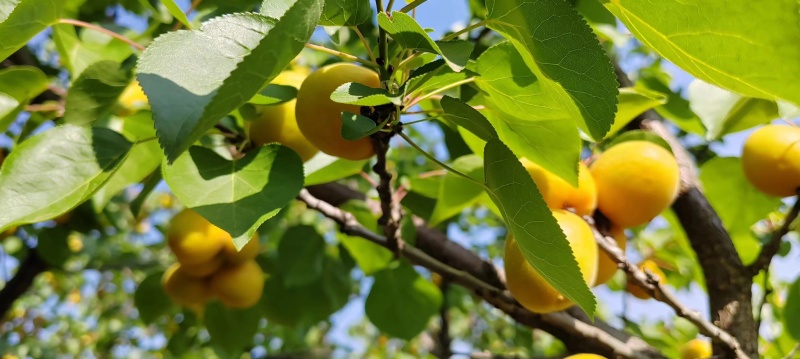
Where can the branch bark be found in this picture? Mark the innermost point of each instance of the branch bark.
(30, 267)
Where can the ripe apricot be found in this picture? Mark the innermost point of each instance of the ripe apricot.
(277, 123)
(184, 289)
(248, 252)
(606, 267)
(585, 356)
(204, 269)
(636, 181)
(652, 267)
(559, 194)
(188, 237)
(133, 98)
(238, 285)
(696, 349)
(771, 160)
(320, 119)
(529, 287)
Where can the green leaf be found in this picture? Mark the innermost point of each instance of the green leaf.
(542, 241)
(432, 76)
(354, 93)
(369, 256)
(723, 112)
(144, 158)
(564, 55)
(401, 302)
(50, 173)
(632, 102)
(52, 245)
(738, 203)
(300, 255)
(554, 144)
(676, 109)
(711, 41)
(94, 94)
(21, 20)
(231, 330)
(237, 196)
(18, 85)
(323, 168)
(76, 54)
(355, 127)
(177, 13)
(466, 116)
(792, 310)
(638, 135)
(274, 94)
(150, 299)
(457, 193)
(236, 55)
(407, 32)
(345, 13)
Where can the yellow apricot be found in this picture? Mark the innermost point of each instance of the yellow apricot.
(559, 194)
(185, 290)
(636, 181)
(696, 349)
(606, 267)
(771, 160)
(204, 269)
(238, 285)
(188, 237)
(585, 356)
(320, 119)
(529, 287)
(248, 252)
(133, 98)
(277, 123)
(652, 267)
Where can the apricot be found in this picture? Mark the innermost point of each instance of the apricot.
(585, 356)
(204, 269)
(636, 181)
(606, 267)
(696, 349)
(320, 119)
(248, 252)
(133, 98)
(238, 285)
(559, 194)
(529, 287)
(185, 290)
(771, 160)
(277, 123)
(652, 267)
(188, 237)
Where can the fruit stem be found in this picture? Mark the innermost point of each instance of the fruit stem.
(464, 30)
(383, 49)
(440, 163)
(412, 5)
(340, 54)
(103, 30)
(364, 41)
(440, 90)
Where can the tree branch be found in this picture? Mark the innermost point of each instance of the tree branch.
(30, 267)
(653, 286)
(391, 213)
(770, 249)
(441, 348)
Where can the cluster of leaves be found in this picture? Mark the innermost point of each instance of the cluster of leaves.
(542, 87)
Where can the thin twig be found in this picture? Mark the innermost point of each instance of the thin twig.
(440, 90)
(793, 352)
(366, 44)
(342, 55)
(653, 286)
(412, 5)
(193, 6)
(767, 292)
(440, 163)
(103, 30)
(441, 348)
(774, 245)
(464, 30)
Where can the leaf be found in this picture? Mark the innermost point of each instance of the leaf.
(711, 41)
(53, 247)
(355, 127)
(18, 85)
(21, 20)
(466, 116)
(407, 32)
(300, 255)
(354, 93)
(150, 299)
(632, 102)
(554, 144)
(455, 192)
(676, 109)
(540, 238)
(50, 173)
(94, 94)
(432, 76)
(237, 196)
(323, 168)
(738, 203)
(401, 302)
(369, 256)
(345, 13)
(274, 94)
(231, 330)
(792, 310)
(144, 158)
(176, 12)
(76, 54)
(562, 52)
(194, 78)
(638, 135)
(724, 112)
